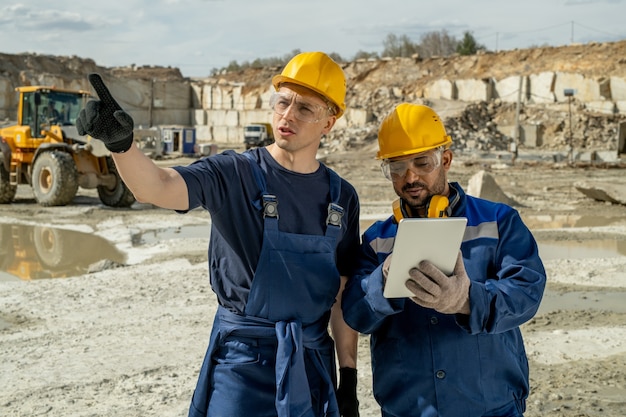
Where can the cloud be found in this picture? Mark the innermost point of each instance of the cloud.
(21, 17)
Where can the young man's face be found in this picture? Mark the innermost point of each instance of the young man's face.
(416, 178)
(301, 117)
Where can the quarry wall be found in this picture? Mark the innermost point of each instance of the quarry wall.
(219, 106)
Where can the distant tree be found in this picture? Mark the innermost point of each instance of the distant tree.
(336, 57)
(469, 46)
(364, 55)
(290, 55)
(394, 46)
(233, 66)
(437, 44)
(258, 63)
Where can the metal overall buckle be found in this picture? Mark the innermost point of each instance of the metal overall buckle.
(335, 213)
(270, 206)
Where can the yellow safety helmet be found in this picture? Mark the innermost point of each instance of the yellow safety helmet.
(318, 72)
(409, 129)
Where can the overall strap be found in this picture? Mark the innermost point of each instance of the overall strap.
(335, 211)
(268, 202)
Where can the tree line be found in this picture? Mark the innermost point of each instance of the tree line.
(436, 43)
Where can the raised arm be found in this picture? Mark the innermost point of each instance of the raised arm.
(104, 119)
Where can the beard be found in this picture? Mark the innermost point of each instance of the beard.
(417, 194)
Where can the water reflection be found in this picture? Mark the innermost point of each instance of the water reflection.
(569, 220)
(36, 252)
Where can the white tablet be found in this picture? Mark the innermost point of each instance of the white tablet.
(435, 240)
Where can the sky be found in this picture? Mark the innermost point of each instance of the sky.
(198, 36)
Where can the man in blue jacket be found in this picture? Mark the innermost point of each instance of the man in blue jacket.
(455, 347)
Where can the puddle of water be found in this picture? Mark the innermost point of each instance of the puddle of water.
(569, 249)
(188, 231)
(33, 252)
(586, 249)
(36, 252)
(569, 220)
(583, 300)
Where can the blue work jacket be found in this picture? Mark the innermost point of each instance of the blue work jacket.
(430, 364)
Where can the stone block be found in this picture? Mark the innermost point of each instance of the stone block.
(474, 90)
(357, 117)
(618, 88)
(441, 89)
(508, 88)
(341, 123)
(204, 133)
(130, 93)
(604, 107)
(223, 118)
(483, 185)
(221, 99)
(585, 89)
(251, 102)
(170, 94)
(220, 133)
(255, 116)
(198, 117)
(531, 135)
(207, 97)
(196, 95)
(541, 87)
(141, 117)
(620, 106)
(180, 117)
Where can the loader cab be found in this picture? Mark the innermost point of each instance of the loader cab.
(44, 107)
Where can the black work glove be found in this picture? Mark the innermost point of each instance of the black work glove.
(346, 393)
(104, 119)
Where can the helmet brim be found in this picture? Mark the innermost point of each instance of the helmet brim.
(279, 79)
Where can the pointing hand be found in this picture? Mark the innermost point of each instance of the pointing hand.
(104, 119)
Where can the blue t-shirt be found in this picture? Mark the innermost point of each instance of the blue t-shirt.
(224, 185)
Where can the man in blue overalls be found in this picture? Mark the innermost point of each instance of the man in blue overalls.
(284, 231)
(454, 348)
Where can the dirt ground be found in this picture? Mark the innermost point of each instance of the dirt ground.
(127, 338)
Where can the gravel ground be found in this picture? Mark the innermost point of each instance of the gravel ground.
(127, 338)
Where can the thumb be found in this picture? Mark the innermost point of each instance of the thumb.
(459, 267)
(124, 119)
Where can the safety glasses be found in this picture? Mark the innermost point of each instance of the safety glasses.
(422, 164)
(303, 110)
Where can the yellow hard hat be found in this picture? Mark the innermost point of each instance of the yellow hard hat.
(409, 129)
(318, 72)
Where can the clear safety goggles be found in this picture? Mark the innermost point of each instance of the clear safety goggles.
(421, 164)
(303, 109)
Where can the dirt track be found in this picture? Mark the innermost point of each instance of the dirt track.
(129, 340)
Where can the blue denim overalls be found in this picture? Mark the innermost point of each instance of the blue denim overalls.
(278, 359)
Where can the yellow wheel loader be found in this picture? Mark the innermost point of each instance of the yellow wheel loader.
(45, 151)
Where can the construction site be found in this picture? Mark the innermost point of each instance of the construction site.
(106, 309)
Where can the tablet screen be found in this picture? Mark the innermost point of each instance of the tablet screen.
(435, 240)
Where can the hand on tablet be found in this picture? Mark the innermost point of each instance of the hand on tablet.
(386, 266)
(433, 289)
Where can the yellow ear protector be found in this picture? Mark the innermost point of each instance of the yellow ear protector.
(436, 207)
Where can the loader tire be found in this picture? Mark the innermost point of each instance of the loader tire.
(119, 195)
(55, 179)
(7, 191)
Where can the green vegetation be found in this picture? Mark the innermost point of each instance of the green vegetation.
(436, 43)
